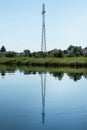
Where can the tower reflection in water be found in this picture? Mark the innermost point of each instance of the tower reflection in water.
(43, 91)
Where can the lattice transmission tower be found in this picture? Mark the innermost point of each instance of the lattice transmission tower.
(43, 38)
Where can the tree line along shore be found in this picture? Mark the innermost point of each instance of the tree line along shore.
(74, 56)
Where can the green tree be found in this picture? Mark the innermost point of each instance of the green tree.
(60, 53)
(74, 51)
(27, 52)
(3, 49)
(57, 53)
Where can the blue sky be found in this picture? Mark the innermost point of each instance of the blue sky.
(20, 24)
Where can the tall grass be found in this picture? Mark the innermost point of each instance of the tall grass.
(47, 62)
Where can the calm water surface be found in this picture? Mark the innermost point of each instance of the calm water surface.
(42, 102)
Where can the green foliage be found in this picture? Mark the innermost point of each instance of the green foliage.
(56, 53)
(10, 54)
(60, 53)
(33, 54)
(3, 49)
(85, 52)
(39, 54)
(27, 52)
(74, 51)
(48, 61)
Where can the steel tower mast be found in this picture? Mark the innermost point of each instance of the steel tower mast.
(43, 39)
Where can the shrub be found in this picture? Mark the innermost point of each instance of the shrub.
(57, 53)
(10, 54)
(39, 54)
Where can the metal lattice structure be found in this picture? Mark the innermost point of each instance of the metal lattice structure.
(43, 89)
(43, 39)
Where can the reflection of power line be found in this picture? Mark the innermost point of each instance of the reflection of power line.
(3, 73)
(43, 89)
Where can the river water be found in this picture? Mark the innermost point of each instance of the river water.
(43, 101)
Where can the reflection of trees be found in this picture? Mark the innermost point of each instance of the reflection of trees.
(73, 73)
(11, 71)
(29, 72)
(7, 69)
(3, 73)
(85, 75)
(75, 76)
(59, 75)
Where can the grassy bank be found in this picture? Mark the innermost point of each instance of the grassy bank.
(47, 62)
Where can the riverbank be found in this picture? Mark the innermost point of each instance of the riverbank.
(46, 62)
